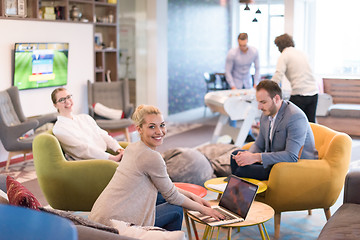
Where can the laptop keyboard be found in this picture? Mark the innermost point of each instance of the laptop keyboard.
(225, 214)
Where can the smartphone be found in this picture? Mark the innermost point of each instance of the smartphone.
(227, 179)
(237, 152)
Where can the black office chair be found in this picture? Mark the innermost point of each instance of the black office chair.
(215, 82)
(210, 81)
(224, 84)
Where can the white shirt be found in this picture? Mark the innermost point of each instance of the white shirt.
(294, 65)
(82, 138)
(272, 122)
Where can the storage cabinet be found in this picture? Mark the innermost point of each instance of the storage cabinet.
(101, 13)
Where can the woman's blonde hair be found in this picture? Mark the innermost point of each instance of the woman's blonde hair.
(141, 111)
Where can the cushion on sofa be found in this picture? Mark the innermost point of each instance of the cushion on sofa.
(219, 156)
(344, 224)
(107, 112)
(345, 110)
(187, 165)
(19, 195)
(77, 220)
(88, 233)
(138, 232)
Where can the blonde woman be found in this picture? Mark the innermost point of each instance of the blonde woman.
(79, 135)
(132, 193)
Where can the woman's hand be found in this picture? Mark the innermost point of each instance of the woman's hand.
(118, 157)
(120, 150)
(194, 197)
(212, 213)
(199, 200)
(194, 202)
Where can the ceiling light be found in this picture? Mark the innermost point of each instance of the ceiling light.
(258, 11)
(247, 8)
(254, 20)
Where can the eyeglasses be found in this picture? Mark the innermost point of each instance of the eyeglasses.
(63, 99)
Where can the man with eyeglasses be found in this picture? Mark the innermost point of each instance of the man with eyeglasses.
(79, 135)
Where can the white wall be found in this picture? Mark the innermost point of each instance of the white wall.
(126, 18)
(151, 54)
(80, 65)
(148, 20)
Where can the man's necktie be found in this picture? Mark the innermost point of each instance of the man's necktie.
(270, 135)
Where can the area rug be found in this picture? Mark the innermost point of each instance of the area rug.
(22, 171)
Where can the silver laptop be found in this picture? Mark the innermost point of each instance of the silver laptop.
(234, 203)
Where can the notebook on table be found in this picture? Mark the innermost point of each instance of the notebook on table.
(234, 204)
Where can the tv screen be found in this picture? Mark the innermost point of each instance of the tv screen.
(38, 65)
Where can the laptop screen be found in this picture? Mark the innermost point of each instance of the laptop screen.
(238, 196)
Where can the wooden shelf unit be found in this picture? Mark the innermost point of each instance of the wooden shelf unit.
(101, 14)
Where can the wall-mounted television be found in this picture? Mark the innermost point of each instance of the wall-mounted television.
(38, 65)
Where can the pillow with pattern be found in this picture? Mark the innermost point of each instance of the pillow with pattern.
(19, 195)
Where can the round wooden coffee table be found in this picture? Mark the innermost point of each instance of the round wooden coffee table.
(259, 213)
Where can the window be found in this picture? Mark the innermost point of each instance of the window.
(270, 23)
(337, 38)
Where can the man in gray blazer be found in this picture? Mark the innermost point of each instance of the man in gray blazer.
(285, 134)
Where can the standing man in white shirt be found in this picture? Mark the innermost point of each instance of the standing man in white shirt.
(294, 65)
(238, 64)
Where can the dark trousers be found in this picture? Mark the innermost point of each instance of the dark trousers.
(306, 103)
(168, 216)
(255, 171)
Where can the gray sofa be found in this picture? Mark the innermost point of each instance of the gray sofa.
(345, 223)
(84, 232)
(344, 110)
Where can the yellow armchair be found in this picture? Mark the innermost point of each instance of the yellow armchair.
(69, 185)
(309, 184)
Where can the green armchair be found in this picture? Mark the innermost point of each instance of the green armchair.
(309, 184)
(69, 185)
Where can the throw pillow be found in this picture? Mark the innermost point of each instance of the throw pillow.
(20, 196)
(77, 220)
(138, 232)
(107, 112)
(187, 165)
(219, 156)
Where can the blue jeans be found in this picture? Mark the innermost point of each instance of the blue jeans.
(168, 216)
(256, 170)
